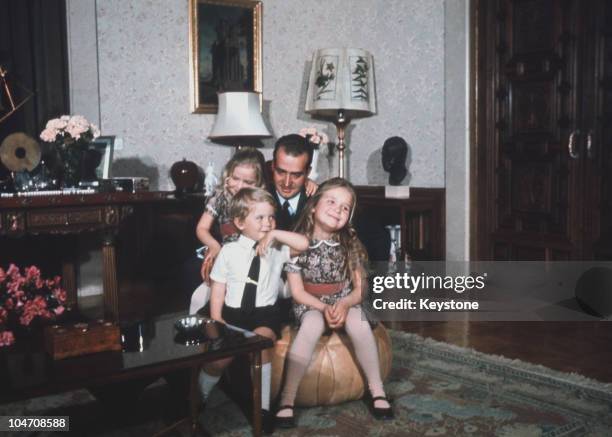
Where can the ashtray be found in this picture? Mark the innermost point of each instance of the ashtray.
(193, 330)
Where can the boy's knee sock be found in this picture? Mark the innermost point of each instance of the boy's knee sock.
(207, 382)
(266, 382)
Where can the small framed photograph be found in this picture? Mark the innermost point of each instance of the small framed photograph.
(225, 48)
(104, 146)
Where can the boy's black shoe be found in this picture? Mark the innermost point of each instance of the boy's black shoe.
(267, 422)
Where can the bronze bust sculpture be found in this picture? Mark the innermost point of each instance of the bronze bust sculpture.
(394, 153)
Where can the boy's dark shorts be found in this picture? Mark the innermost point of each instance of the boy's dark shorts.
(268, 316)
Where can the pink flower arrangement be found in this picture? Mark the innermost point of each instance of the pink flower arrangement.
(315, 138)
(69, 129)
(26, 297)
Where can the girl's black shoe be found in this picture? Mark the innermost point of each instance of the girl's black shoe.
(381, 413)
(285, 422)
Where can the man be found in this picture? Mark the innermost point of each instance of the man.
(290, 167)
(291, 186)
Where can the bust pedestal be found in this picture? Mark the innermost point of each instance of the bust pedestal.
(397, 191)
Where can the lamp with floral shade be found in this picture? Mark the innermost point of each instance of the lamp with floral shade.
(341, 87)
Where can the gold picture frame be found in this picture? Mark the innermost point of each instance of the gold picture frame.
(225, 50)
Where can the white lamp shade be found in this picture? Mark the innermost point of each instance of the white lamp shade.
(341, 79)
(239, 116)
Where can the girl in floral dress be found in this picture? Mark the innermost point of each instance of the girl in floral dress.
(326, 284)
(244, 169)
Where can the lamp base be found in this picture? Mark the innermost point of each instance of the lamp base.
(341, 122)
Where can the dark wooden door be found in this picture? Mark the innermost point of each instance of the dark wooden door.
(542, 97)
(597, 125)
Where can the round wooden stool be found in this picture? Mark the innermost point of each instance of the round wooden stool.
(333, 375)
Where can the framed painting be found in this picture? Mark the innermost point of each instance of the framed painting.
(225, 49)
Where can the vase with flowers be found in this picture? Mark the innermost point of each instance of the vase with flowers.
(72, 136)
(317, 141)
(27, 298)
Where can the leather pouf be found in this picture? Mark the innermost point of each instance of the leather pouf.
(334, 375)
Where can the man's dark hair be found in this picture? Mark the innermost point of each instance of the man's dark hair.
(294, 145)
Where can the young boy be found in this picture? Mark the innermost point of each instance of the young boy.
(246, 278)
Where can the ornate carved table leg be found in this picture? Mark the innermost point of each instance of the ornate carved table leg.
(69, 281)
(109, 280)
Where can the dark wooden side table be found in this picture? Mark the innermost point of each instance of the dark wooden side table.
(161, 354)
(421, 218)
(75, 214)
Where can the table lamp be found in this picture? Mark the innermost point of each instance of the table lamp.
(341, 87)
(239, 121)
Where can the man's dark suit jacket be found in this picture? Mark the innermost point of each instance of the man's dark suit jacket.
(285, 221)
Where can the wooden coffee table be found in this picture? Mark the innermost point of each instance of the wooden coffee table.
(160, 354)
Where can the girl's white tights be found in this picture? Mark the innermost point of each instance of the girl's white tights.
(303, 346)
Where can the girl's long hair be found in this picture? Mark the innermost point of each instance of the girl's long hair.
(356, 255)
(246, 156)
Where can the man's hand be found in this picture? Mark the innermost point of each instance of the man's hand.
(311, 187)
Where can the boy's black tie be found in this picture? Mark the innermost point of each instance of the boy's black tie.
(250, 287)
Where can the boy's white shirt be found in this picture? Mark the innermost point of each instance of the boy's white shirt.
(232, 268)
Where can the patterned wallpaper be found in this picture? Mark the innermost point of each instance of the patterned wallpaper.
(142, 50)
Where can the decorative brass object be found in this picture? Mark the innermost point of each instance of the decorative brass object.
(9, 96)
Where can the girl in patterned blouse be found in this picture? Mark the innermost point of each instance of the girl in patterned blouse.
(326, 284)
(244, 169)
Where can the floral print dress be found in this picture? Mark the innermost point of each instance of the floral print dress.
(322, 263)
(218, 207)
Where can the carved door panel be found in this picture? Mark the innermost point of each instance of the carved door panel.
(597, 126)
(536, 197)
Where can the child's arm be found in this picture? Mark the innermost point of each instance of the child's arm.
(302, 296)
(203, 233)
(340, 309)
(217, 297)
(297, 242)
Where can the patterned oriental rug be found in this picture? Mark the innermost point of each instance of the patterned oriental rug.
(438, 390)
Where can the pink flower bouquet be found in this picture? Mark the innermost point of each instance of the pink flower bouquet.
(27, 297)
(72, 136)
(316, 139)
(69, 129)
